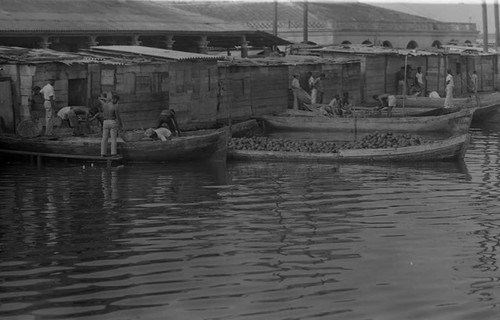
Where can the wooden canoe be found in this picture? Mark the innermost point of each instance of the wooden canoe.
(448, 124)
(487, 105)
(199, 145)
(210, 145)
(450, 149)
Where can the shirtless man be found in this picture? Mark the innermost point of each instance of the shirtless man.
(386, 100)
(111, 124)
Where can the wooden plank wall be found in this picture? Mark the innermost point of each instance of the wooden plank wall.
(193, 90)
(486, 73)
(376, 81)
(190, 88)
(351, 81)
(236, 88)
(252, 90)
(333, 81)
(434, 75)
(268, 89)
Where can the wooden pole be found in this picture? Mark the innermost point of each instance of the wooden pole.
(497, 25)
(485, 27)
(306, 13)
(275, 20)
(404, 96)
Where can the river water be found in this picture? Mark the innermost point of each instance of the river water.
(253, 240)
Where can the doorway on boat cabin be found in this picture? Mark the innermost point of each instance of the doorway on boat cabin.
(77, 92)
(7, 116)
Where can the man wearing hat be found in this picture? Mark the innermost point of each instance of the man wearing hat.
(49, 104)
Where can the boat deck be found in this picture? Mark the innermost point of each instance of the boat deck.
(40, 155)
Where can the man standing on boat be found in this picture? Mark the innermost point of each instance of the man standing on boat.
(475, 81)
(449, 90)
(419, 79)
(111, 124)
(295, 91)
(400, 78)
(318, 89)
(49, 105)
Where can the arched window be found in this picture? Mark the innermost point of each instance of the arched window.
(412, 45)
(387, 44)
(346, 42)
(367, 42)
(436, 44)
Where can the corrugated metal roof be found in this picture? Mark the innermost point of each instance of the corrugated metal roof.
(156, 53)
(362, 49)
(290, 60)
(17, 55)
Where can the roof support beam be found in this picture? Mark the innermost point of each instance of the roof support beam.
(169, 42)
(45, 43)
(203, 45)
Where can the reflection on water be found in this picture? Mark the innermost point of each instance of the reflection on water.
(253, 240)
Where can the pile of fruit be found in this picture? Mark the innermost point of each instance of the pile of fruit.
(373, 141)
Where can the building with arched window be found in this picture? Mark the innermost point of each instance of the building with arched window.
(337, 23)
(195, 26)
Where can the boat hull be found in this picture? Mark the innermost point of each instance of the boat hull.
(451, 124)
(450, 149)
(211, 146)
(487, 105)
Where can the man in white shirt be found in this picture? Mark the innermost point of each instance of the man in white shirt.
(449, 90)
(475, 81)
(49, 105)
(419, 76)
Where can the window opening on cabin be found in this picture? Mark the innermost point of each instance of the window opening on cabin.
(107, 77)
(142, 84)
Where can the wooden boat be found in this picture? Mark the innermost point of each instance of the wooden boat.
(198, 145)
(453, 148)
(448, 124)
(487, 105)
(209, 145)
